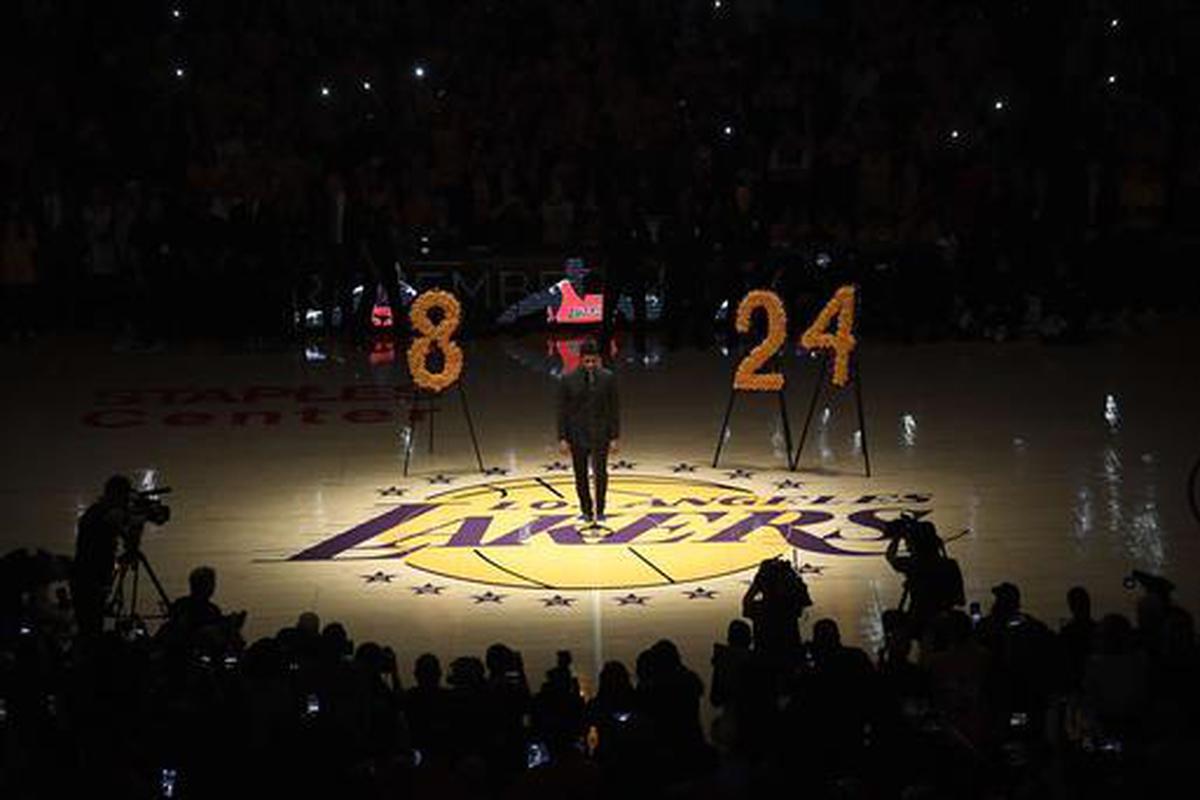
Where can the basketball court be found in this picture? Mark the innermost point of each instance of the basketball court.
(1047, 466)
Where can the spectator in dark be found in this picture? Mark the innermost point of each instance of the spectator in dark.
(836, 698)
(269, 703)
(774, 602)
(1022, 650)
(508, 702)
(1174, 691)
(1076, 637)
(669, 696)
(336, 645)
(105, 291)
(54, 615)
(612, 710)
(745, 691)
(383, 732)
(744, 242)
(619, 734)
(329, 693)
(558, 707)
(196, 625)
(688, 301)
(1004, 614)
(958, 669)
(514, 221)
(469, 704)
(196, 610)
(904, 692)
(303, 642)
(568, 772)
(1116, 680)
(308, 624)
(379, 254)
(333, 669)
(626, 247)
(558, 218)
(730, 662)
(426, 707)
(1153, 606)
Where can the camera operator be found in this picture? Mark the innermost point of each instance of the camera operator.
(774, 602)
(105, 521)
(932, 581)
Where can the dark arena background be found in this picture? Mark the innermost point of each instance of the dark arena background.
(879, 320)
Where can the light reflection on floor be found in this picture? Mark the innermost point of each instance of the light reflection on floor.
(1066, 465)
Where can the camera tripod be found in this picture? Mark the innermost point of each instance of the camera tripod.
(129, 568)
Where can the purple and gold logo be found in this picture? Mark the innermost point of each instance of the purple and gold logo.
(525, 532)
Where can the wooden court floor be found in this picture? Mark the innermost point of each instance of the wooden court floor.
(1051, 466)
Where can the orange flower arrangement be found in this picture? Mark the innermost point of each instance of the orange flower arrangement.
(842, 342)
(747, 377)
(431, 333)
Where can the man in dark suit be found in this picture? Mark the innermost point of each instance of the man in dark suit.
(588, 425)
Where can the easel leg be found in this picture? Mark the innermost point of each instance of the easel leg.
(432, 413)
(862, 424)
(462, 395)
(812, 406)
(787, 428)
(412, 433)
(724, 427)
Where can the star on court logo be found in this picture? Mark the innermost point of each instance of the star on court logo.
(525, 532)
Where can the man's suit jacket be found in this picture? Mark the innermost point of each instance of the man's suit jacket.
(588, 414)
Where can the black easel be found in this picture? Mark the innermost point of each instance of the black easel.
(783, 415)
(431, 408)
(856, 379)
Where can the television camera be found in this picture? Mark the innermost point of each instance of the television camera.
(145, 505)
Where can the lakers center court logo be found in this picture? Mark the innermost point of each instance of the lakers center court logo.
(525, 532)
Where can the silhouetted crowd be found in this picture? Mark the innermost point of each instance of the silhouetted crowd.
(982, 169)
(959, 705)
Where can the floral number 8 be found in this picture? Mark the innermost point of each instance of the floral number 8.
(431, 333)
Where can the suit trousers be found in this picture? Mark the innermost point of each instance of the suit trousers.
(581, 454)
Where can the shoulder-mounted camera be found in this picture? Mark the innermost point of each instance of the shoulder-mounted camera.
(147, 505)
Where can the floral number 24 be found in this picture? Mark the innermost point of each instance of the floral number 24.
(840, 310)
